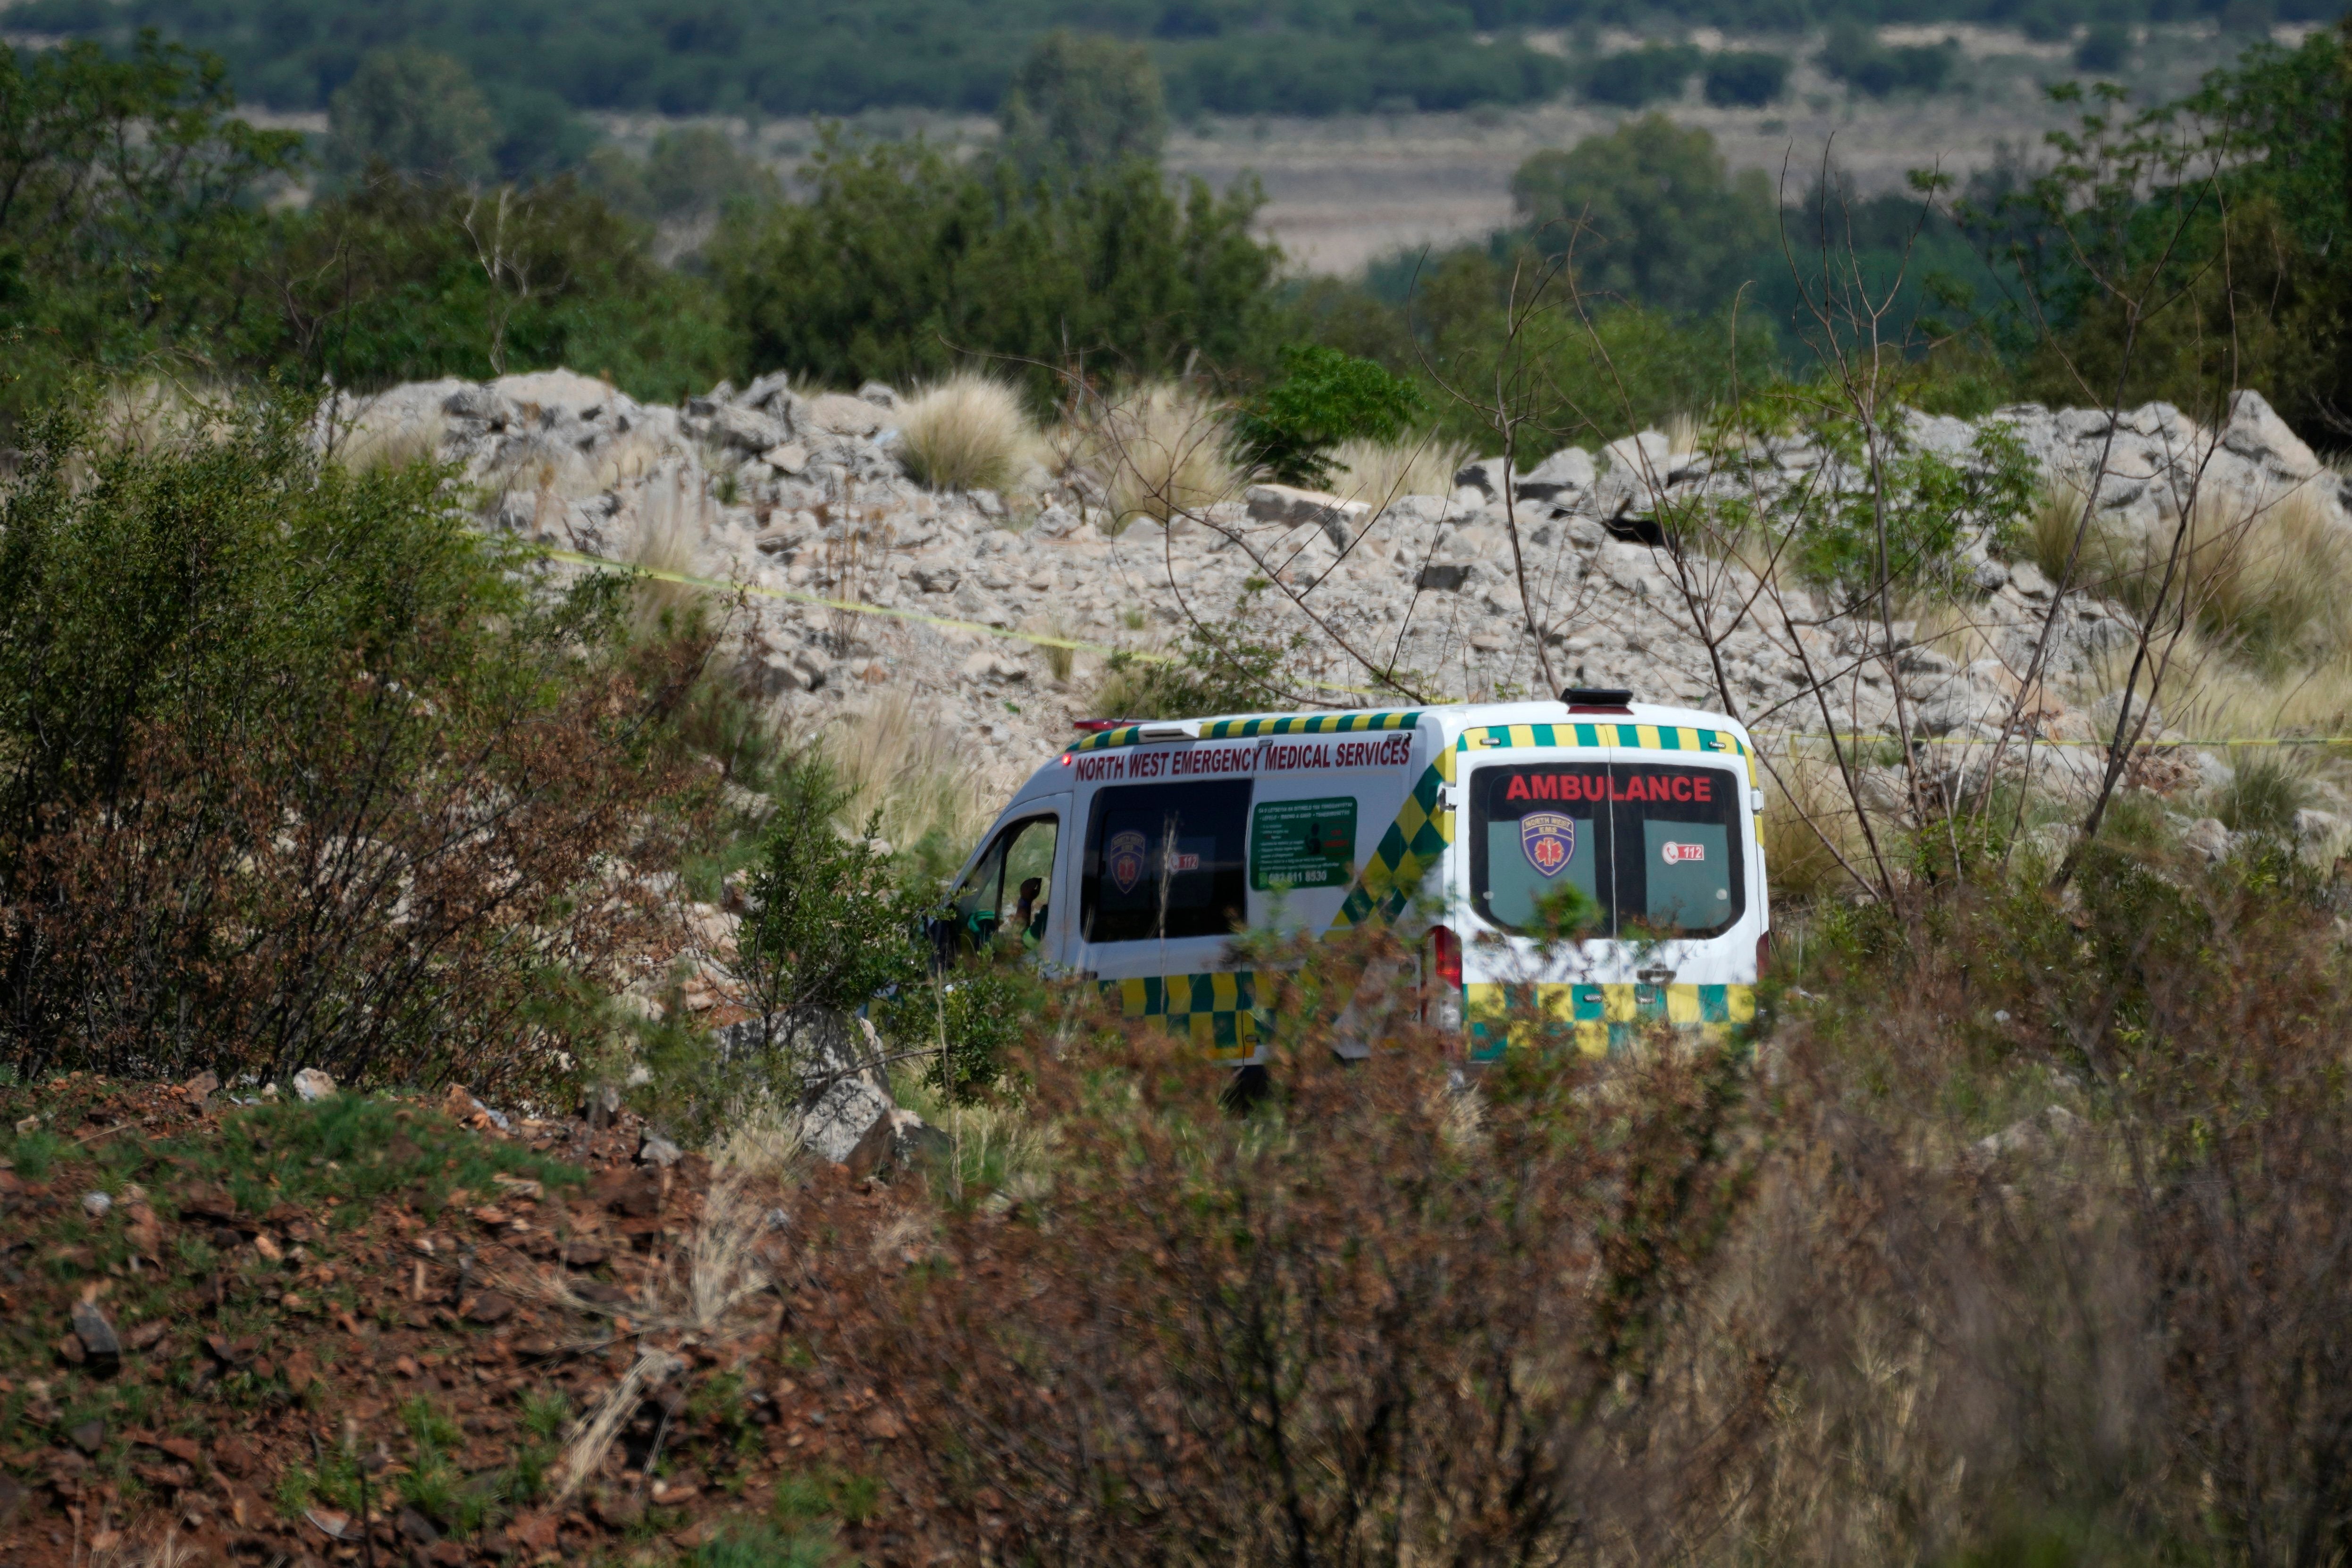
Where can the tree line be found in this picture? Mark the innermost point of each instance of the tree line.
(539, 59)
(144, 227)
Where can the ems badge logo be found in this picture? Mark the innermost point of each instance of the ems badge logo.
(1549, 839)
(1126, 854)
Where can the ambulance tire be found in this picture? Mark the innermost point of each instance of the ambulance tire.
(1250, 1089)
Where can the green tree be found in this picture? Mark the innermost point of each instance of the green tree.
(130, 223)
(417, 114)
(690, 171)
(395, 280)
(1746, 79)
(1853, 55)
(1083, 101)
(1648, 213)
(903, 260)
(2181, 252)
(829, 925)
(1322, 398)
(1640, 77)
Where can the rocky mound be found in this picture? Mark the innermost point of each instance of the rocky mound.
(804, 497)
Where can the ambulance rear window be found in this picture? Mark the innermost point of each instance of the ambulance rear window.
(1655, 849)
(1165, 860)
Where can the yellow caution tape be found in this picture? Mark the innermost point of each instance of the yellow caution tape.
(853, 607)
(2022, 740)
(1046, 640)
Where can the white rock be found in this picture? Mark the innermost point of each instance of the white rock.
(1644, 458)
(1571, 465)
(838, 414)
(312, 1084)
(2257, 433)
(2208, 839)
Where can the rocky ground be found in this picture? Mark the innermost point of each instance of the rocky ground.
(798, 497)
(243, 1330)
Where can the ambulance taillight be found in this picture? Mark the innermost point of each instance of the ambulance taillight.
(1442, 1007)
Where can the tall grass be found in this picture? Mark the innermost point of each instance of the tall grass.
(1378, 471)
(1158, 451)
(908, 764)
(2268, 577)
(1809, 824)
(966, 433)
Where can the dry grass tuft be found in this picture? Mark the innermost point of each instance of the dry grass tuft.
(1159, 451)
(966, 433)
(2050, 526)
(2206, 693)
(149, 415)
(723, 1272)
(1956, 631)
(592, 1436)
(675, 520)
(1378, 471)
(1809, 824)
(2267, 577)
(908, 764)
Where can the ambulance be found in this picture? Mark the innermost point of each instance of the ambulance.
(1134, 857)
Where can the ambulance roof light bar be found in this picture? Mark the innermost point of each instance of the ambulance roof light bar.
(1597, 699)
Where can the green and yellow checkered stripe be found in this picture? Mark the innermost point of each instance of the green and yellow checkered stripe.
(1243, 729)
(1605, 1019)
(1216, 1011)
(1411, 845)
(1644, 736)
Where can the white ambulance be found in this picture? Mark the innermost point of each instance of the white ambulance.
(1134, 857)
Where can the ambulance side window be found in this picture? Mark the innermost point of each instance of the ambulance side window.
(1165, 860)
(1008, 891)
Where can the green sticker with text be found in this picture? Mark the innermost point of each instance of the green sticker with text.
(1302, 843)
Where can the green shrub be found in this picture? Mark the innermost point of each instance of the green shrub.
(1642, 77)
(2266, 788)
(1746, 79)
(1239, 664)
(1854, 55)
(257, 706)
(829, 924)
(1322, 398)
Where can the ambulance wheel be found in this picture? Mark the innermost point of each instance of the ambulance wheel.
(1250, 1088)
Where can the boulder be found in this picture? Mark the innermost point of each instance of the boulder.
(747, 429)
(837, 413)
(837, 1058)
(2208, 839)
(1570, 467)
(1484, 477)
(1644, 457)
(2257, 433)
(1339, 519)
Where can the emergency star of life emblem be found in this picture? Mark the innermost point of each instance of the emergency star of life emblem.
(1549, 839)
(1126, 852)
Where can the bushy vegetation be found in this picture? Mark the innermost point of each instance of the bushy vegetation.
(2182, 251)
(905, 260)
(2028, 1245)
(1321, 398)
(299, 769)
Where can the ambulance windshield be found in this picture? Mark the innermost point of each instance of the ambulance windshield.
(1602, 849)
